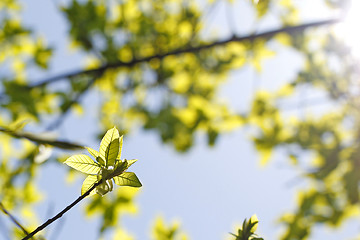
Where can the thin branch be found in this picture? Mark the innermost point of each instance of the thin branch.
(58, 228)
(186, 49)
(59, 215)
(40, 140)
(13, 219)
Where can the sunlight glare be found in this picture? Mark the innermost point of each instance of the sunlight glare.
(348, 29)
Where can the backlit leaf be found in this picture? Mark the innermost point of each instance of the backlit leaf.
(83, 163)
(103, 188)
(127, 179)
(109, 147)
(130, 162)
(88, 183)
(120, 147)
(96, 155)
(100, 160)
(93, 152)
(120, 168)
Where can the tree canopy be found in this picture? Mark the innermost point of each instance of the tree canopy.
(156, 67)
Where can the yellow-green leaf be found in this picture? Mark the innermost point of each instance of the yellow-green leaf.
(127, 179)
(83, 163)
(96, 155)
(109, 147)
(111, 185)
(100, 160)
(93, 152)
(119, 168)
(88, 183)
(103, 188)
(120, 148)
(130, 162)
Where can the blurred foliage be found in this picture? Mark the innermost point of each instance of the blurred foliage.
(163, 232)
(144, 59)
(247, 231)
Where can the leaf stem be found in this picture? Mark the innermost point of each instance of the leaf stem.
(59, 215)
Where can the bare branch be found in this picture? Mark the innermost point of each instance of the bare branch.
(13, 219)
(186, 49)
(59, 215)
(42, 140)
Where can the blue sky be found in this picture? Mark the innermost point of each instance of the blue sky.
(207, 189)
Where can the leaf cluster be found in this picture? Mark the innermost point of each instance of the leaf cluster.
(247, 232)
(108, 165)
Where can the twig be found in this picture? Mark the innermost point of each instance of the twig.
(13, 219)
(59, 215)
(58, 228)
(39, 140)
(186, 49)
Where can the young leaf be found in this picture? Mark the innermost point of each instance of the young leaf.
(111, 185)
(96, 155)
(130, 162)
(88, 183)
(83, 163)
(120, 148)
(127, 179)
(119, 168)
(101, 161)
(93, 152)
(109, 147)
(103, 188)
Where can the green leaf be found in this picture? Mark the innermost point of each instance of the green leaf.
(88, 183)
(120, 148)
(111, 185)
(96, 155)
(93, 152)
(109, 147)
(127, 179)
(103, 188)
(119, 168)
(83, 163)
(101, 161)
(130, 162)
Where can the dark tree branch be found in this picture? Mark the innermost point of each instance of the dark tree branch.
(58, 228)
(41, 140)
(13, 219)
(135, 61)
(59, 215)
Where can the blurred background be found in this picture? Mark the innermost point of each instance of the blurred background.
(233, 108)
